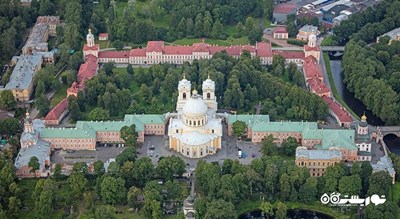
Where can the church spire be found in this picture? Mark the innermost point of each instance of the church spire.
(90, 38)
(28, 127)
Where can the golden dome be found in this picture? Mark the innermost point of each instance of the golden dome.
(363, 117)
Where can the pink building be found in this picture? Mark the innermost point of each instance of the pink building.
(55, 116)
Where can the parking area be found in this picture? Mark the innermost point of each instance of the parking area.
(70, 157)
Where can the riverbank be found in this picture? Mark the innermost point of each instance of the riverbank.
(333, 86)
(317, 207)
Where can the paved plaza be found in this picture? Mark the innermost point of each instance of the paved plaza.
(101, 153)
(160, 146)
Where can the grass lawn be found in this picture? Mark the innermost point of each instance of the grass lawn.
(394, 192)
(328, 41)
(185, 41)
(333, 86)
(103, 44)
(60, 94)
(120, 8)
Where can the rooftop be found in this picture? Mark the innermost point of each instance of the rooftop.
(283, 126)
(36, 36)
(318, 154)
(338, 110)
(384, 164)
(309, 29)
(393, 34)
(58, 110)
(24, 71)
(285, 8)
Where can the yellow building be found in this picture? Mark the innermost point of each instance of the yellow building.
(317, 161)
(195, 131)
(21, 79)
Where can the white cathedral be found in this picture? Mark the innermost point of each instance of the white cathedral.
(195, 131)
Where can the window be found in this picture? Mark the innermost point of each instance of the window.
(177, 131)
(208, 96)
(212, 131)
(184, 96)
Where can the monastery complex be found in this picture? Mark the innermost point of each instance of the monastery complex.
(195, 129)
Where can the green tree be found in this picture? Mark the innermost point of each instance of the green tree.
(109, 67)
(73, 108)
(268, 146)
(285, 186)
(129, 69)
(98, 114)
(220, 209)
(379, 183)
(281, 210)
(133, 194)
(42, 104)
(143, 171)
(113, 190)
(266, 208)
(105, 212)
(308, 190)
(118, 44)
(34, 164)
(350, 185)
(198, 26)
(80, 167)
(255, 35)
(168, 167)
(77, 183)
(7, 100)
(57, 175)
(289, 146)
(239, 128)
(14, 206)
(217, 30)
(98, 167)
(10, 126)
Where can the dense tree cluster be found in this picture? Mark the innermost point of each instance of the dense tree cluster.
(370, 23)
(372, 73)
(240, 85)
(282, 180)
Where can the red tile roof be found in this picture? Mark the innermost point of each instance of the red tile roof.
(290, 55)
(103, 34)
(264, 49)
(96, 47)
(280, 30)
(312, 68)
(309, 48)
(137, 52)
(201, 47)
(88, 69)
(318, 87)
(285, 8)
(58, 110)
(338, 110)
(155, 46)
(179, 50)
(114, 54)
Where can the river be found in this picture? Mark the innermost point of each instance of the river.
(358, 107)
(348, 97)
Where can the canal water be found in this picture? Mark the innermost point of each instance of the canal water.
(392, 141)
(292, 213)
(348, 97)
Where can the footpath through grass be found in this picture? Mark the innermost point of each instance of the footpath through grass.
(333, 86)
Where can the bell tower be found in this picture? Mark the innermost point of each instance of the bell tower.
(90, 39)
(362, 128)
(28, 127)
(209, 98)
(184, 88)
(312, 49)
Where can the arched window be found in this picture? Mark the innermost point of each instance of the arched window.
(190, 122)
(184, 96)
(208, 96)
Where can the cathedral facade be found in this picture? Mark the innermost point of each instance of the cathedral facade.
(195, 131)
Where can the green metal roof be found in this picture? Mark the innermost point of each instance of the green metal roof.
(146, 119)
(67, 133)
(250, 120)
(88, 129)
(283, 126)
(337, 138)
